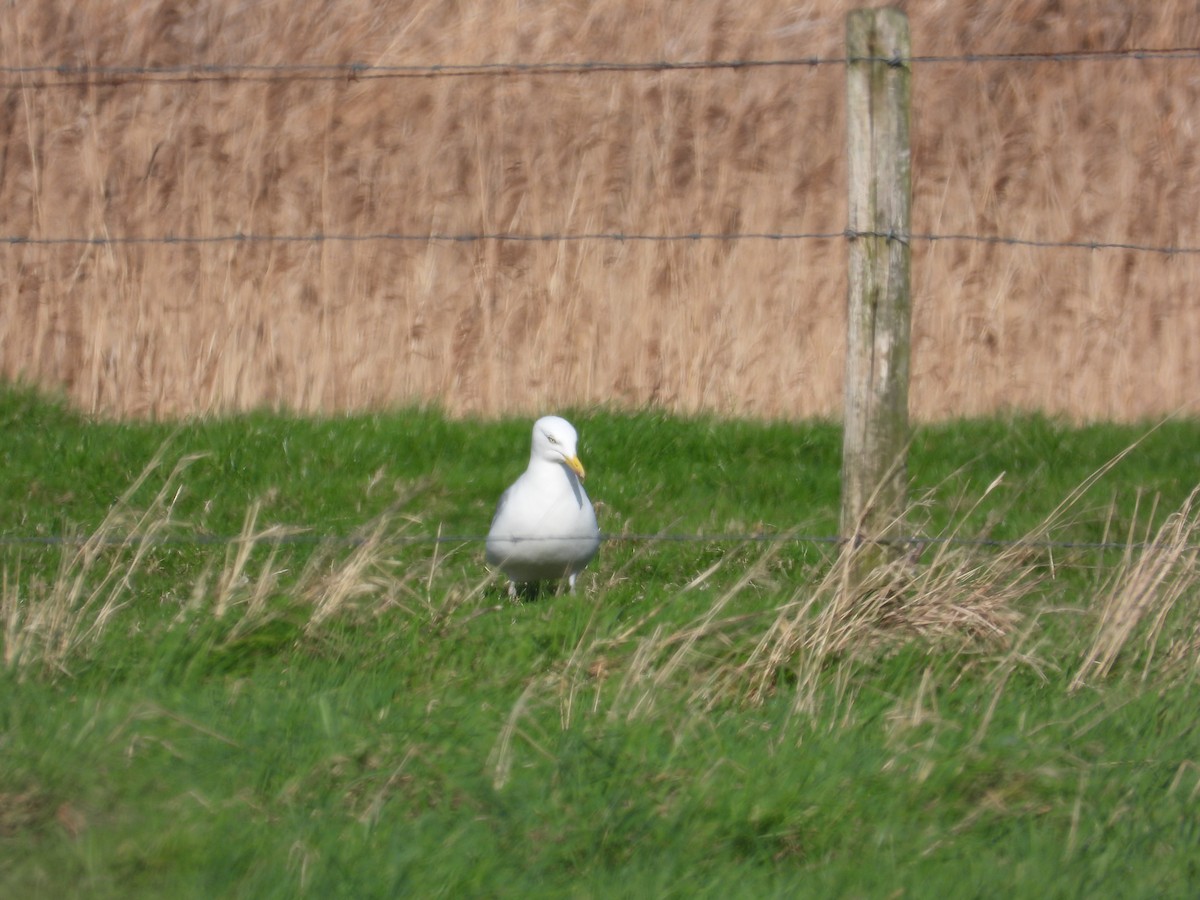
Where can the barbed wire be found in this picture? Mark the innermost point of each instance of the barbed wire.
(433, 237)
(69, 75)
(285, 537)
(82, 75)
(570, 237)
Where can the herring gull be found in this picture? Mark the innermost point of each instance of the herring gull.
(545, 527)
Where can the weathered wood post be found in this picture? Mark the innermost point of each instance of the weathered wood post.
(875, 443)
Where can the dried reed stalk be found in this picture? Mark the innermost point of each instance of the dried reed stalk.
(753, 327)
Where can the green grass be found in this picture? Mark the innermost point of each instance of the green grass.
(375, 719)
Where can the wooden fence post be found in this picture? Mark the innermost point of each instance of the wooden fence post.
(875, 443)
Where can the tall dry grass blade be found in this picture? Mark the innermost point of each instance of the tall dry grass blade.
(238, 586)
(1145, 591)
(660, 657)
(237, 555)
(17, 640)
(334, 582)
(687, 639)
(501, 757)
(577, 668)
(330, 591)
(48, 624)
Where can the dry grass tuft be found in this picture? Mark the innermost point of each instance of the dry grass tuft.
(1060, 151)
(334, 585)
(952, 594)
(967, 595)
(1156, 576)
(963, 599)
(45, 624)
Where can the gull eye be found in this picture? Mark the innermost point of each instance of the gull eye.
(552, 439)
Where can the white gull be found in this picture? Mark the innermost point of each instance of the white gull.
(545, 527)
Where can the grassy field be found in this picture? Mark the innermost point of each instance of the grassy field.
(289, 715)
(1070, 149)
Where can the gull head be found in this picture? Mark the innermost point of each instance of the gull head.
(554, 440)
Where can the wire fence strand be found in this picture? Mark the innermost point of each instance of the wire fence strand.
(574, 237)
(68, 76)
(303, 537)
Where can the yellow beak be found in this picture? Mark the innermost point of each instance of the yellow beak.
(575, 465)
